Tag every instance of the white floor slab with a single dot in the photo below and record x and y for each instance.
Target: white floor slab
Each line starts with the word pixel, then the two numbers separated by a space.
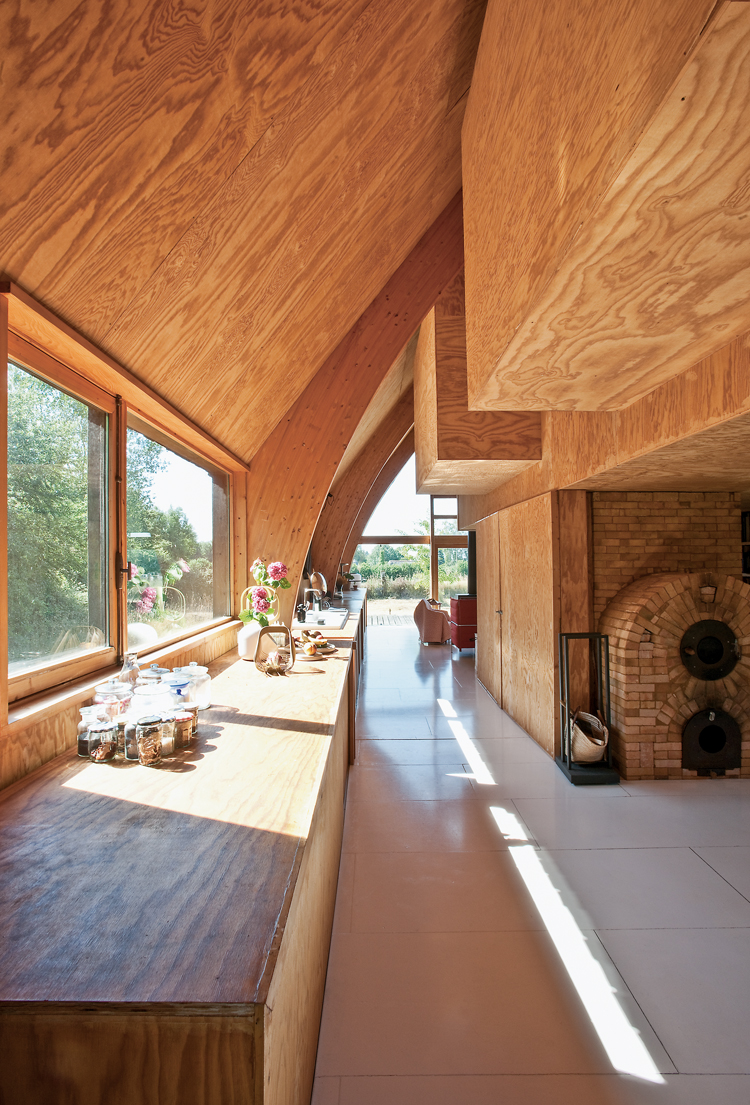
pixel 444 985
pixel 733 864
pixel 635 888
pixel 693 985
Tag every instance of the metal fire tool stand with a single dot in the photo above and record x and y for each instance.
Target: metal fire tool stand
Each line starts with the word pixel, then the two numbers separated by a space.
pixel 601 773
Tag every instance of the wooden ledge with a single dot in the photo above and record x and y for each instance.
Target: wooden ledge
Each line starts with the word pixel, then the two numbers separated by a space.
pixel 28 711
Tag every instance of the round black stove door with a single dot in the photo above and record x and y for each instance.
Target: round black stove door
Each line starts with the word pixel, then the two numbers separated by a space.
pixel 709 650
pixel 711 740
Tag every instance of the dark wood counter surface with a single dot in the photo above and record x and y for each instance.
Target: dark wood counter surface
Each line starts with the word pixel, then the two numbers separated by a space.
pixel 124 884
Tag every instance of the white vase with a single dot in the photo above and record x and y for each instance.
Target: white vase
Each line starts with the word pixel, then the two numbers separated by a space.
pixel 247 638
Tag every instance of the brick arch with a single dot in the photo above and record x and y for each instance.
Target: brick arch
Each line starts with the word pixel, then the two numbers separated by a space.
pixel 653 694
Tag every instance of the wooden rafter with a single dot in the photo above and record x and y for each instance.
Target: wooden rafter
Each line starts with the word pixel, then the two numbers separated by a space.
pixel 292 473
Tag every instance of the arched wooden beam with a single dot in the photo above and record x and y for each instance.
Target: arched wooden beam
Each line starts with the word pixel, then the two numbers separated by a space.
pixel 347 495
pixel 383 481
pixel 292 471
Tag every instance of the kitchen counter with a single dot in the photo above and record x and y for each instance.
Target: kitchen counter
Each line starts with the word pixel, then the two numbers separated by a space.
pixel 178 919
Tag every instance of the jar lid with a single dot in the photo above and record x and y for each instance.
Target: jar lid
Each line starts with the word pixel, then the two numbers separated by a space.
pixel 150 719
pixel 193 667
pixel 113 686
pixel 102 727
pixel 159 671
pixel 176 680
pixel 148 690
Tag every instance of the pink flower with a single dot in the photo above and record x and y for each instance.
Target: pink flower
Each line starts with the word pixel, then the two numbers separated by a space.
pixel 261 605
pixel 260 593
pixel 256 564
pixel 148 594
pixel 139 606
pixel 134 569
pixel 277 570
pixel 183 564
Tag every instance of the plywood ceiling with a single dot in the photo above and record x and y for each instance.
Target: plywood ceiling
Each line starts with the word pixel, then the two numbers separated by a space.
pixel 561 96
pixel 459 450
pixel 397 381
pixel 659 276
pixel 716 460
pixel 215 194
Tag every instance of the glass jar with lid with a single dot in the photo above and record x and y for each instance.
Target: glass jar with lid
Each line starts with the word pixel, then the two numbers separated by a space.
pixel 89 715
pixel 201 681
pixel 148 732
pixel 167 734
pixel 180 686
pixel 183 729
pixel 131 669
pixel 192 709
pixel 151 698
pixel 131 740
pixel 114 695
pixel 152 674
pixel 102 740
pixel 106 749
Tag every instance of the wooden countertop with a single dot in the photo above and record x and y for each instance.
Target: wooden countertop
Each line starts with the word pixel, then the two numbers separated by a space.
pixel 126 884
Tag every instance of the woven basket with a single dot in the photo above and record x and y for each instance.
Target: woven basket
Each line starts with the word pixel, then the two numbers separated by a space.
pixel 589 738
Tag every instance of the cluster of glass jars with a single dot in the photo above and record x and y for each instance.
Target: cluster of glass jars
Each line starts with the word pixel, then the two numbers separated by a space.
pixel 143 715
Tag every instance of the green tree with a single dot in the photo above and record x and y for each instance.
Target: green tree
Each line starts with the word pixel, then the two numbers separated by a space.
pixel 48 434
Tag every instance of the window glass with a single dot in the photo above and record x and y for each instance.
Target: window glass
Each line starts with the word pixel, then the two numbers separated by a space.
pixel 444 526
pixel 178 542
pixel 401 510
pixel 445 506
pixel 57 524
pixel 453 573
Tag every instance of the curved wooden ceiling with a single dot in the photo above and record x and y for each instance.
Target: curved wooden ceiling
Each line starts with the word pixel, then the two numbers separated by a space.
pixel 215 195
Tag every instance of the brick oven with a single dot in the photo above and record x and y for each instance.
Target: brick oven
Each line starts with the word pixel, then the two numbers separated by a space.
pixel 680 675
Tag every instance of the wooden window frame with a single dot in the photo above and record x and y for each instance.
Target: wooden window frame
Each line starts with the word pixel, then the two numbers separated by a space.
pixel 442 541
pixel 50 673
pixel 36 339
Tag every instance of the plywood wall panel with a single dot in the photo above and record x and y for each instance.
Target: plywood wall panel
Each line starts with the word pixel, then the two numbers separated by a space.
pixel 658 276
pixel 530 604
pixel 574 542
pixel 489 657
pixel 560 96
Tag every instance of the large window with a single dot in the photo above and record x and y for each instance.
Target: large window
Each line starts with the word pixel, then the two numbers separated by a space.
pixel 177 520
pixel 58 579
pixel 118 526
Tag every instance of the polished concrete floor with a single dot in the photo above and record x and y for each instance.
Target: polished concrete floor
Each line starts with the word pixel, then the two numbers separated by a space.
pixel 503 937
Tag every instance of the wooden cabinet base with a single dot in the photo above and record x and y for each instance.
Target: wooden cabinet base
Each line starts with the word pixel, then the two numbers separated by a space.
pixel 166 932
pixel 100 1053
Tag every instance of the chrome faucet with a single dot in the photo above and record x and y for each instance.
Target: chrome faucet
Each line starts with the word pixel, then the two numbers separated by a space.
pixel 317 598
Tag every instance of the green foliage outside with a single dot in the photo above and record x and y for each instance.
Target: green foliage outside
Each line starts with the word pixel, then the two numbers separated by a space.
pixel 172 583
pixel 55 602
pixel 404 573
pixel 47 515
